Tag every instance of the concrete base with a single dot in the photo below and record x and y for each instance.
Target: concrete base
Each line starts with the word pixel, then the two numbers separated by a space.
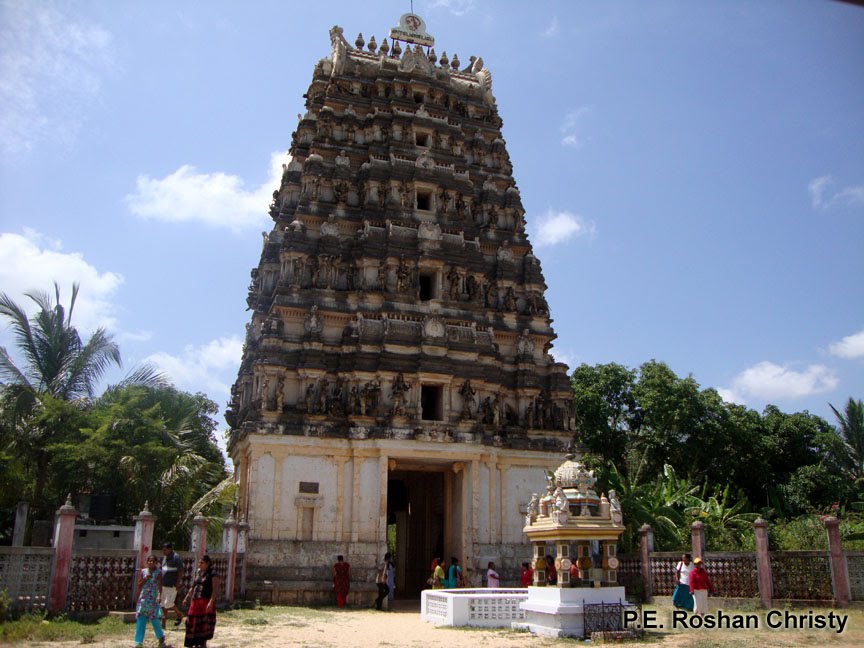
pixel 559 612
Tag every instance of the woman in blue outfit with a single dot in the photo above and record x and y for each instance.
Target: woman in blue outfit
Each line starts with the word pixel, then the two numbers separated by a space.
pixel 149 594
pixel 454 575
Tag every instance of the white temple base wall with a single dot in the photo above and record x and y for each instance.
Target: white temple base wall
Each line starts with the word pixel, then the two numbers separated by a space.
pixel 559 612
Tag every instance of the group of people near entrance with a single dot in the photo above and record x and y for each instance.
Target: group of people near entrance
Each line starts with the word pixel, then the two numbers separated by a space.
pixel 692 585
pixel 383 580
pixel 451 577
pixel 158 586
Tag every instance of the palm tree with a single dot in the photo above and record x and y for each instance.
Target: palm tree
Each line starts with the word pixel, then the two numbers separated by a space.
pixel 59 375
pixel 725 522
pixel 851 430
pixel 658 503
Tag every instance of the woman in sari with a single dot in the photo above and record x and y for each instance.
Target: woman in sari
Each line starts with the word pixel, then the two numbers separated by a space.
pixel 201 599
pixel 454 575
pixel 341 580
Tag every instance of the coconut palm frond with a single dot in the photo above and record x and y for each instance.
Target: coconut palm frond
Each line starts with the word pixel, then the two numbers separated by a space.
pixel 21 327
pixel 184 466
pixel 222 494
pixel 145 375
pixel 87 367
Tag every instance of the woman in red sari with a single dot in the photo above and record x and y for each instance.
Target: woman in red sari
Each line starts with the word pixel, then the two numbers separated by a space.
pixel 341 580
pixel 201 599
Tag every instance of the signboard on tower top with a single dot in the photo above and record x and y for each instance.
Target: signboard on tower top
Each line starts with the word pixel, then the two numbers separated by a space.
pixel 412 29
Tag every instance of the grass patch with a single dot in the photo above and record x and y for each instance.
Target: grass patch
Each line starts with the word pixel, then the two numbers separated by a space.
pixel 297 617
pixel 36 627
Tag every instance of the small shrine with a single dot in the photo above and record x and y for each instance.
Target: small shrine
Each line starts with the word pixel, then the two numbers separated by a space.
pixel 584 528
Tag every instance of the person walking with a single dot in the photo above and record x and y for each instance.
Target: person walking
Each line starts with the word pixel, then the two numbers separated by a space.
pixel 681 597
pixel 493 580
pixel 526 578
pixel 454 575
pixel 201 599
pixel 148 593
pixel 381 581
pixel 172 583
pixel 341 581
pixel 438 575
pixel 391 582
pixel 700 587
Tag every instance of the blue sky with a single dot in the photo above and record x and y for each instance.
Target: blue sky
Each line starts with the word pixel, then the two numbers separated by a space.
pixel 693 173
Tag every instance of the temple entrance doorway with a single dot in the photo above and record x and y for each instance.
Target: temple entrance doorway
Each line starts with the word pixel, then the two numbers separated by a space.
pixel 418 526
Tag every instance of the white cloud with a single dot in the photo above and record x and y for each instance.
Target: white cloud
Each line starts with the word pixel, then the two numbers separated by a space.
pixel 32 263
pixel 571 126
pixel 851 346
pixel 51 70
pixel 730 396
pixel 567 356
pixel 556 227
pixel 571 141
pixel 209 368
pixel 215 199
pixel 769 381
pixel 456 7
pixel 824 194
pixel 134 336
pixel 552 29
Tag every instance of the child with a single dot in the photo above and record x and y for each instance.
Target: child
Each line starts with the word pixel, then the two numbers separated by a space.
pixel 149 594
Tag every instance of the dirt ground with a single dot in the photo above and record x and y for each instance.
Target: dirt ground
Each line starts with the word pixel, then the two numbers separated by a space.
pixel 362 628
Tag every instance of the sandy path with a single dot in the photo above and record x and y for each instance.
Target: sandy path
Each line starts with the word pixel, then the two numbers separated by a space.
pixel 355 628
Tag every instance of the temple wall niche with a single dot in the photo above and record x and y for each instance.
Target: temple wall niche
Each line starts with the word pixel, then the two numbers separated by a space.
pixel 306 471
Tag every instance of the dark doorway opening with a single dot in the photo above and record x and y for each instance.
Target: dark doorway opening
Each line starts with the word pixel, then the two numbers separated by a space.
pixel 415 522
pixel 427 282
pixel 432 402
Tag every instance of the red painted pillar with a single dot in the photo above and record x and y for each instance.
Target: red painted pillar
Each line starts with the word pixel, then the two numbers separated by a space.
pixel 142 542
pixel 697 540
pixel 64 536
pixel 838 566
pixel 198 542
pixel 645 542
pixel 230 531
pixel 763 564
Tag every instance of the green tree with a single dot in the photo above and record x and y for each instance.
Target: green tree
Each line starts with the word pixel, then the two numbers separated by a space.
pixel 58 367
pixel 658 502
pixel 850 426
pixel 725 521
pixel 606 409
pixel 160 442
pixel 47 400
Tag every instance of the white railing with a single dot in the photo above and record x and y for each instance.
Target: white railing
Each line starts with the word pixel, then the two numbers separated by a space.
pixel 487 608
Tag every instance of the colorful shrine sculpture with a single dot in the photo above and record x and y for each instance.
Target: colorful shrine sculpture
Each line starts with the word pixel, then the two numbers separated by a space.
pixel 584 529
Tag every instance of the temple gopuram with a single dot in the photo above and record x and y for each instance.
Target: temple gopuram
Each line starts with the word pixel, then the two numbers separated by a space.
pixel 396 375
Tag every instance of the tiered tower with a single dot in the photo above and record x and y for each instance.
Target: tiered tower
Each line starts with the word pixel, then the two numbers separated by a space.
pixel 395 371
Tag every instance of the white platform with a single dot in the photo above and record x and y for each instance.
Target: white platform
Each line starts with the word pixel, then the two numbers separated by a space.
pixel 559 612
pixel 484 608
